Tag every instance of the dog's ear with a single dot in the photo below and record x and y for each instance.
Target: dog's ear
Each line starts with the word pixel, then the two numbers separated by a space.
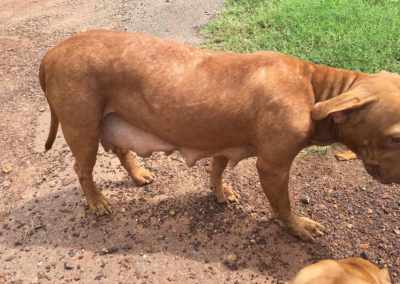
pixel 341 105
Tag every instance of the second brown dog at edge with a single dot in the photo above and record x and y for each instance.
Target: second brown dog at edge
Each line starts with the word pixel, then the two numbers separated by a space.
pixel 134 92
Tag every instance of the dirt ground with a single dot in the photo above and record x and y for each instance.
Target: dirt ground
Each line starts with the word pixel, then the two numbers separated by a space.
pixel 171 230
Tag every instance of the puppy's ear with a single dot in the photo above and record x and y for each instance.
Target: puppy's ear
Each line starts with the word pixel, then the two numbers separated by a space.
pixel 340 105
pixel 384 277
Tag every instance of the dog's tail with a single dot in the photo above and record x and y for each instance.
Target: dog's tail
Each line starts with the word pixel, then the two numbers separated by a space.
pixel 54 119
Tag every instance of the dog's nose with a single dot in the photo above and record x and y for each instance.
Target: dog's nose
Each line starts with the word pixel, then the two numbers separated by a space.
pixel 372 169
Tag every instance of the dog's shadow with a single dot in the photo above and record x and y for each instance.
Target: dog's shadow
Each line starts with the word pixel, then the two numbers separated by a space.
pixel 189 225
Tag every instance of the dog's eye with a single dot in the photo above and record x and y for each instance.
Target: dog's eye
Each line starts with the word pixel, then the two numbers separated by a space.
pixel 395 139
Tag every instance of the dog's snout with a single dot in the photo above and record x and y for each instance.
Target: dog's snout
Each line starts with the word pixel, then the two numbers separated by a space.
pixel 376 172
pixel 372 169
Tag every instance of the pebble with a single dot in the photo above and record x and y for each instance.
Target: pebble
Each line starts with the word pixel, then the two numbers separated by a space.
pixel 350 226
pixel 109 250
pixel 231 258
pixel 7 169
pixel 363 246
pixel 9 258
pixel 68 266
pixel 305 200
pixel 6 183
pixel 397 232
pixel 231 261
pixel 123 210
pixel 172 213
pixel 369 211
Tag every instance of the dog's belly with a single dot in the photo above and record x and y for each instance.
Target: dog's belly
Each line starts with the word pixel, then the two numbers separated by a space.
pixel 117 132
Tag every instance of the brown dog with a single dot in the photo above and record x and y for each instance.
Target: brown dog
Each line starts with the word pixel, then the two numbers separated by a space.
pixel 145 94
pixel 348 271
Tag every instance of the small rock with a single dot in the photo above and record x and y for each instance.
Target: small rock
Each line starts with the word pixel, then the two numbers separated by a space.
pixel 253 241
pixel 369 211
pixel 123 210
pixel 42 109
pixel 52 183
pixel 305 200
pixel 350 226
pixel 7 169
pixel 108 250
pixel 231 257
pixel 68 181
pixel 364 255
pixel 172 213
pixel 38 225
pixel 112 249
pixel 9 258
pixel 231 261
pixel 397 232
pixel 68 266
pixel 6 183
pixel 71 254
pixel 363 246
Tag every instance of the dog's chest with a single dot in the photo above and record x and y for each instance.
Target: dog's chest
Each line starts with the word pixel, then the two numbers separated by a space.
pixel 116 132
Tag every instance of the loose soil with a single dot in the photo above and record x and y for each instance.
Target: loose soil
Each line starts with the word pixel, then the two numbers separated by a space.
pixel 171 230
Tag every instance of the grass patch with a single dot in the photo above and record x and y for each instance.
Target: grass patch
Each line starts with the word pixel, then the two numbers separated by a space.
pixel 316 149
pixel 351 34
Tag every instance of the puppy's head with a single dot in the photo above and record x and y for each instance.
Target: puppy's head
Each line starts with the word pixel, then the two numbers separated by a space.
pixel 368 119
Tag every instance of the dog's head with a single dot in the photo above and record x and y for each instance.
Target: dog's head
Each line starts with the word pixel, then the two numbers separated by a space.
pixel 368 119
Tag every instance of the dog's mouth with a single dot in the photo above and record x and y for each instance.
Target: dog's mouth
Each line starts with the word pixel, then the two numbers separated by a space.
pixel 375 172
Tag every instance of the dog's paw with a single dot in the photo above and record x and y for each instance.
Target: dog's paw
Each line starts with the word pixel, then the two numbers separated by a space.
pixel 142 177
pixel 304 228
pixel 99 205
pixel 225 194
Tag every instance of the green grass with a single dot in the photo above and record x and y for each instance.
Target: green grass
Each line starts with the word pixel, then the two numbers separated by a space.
pixel 351 34
pixel 316 149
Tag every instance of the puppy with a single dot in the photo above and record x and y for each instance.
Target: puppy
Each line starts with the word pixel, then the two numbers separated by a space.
pixel 348 271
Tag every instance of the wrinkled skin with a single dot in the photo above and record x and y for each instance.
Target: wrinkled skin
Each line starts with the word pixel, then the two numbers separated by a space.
pixel 378 107
pixel 133 92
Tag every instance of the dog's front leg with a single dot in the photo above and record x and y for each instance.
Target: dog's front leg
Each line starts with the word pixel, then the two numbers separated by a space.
pixel 274 178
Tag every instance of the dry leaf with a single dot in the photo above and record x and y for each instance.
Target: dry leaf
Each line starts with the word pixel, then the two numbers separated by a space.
pixel 345 156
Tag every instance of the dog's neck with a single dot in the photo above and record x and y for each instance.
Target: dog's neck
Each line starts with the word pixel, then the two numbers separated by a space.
pixel 329 82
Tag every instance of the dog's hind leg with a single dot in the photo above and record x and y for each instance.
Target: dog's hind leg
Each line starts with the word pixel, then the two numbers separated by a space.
pixel 84 142
pixel 139 175
pixel 223 192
